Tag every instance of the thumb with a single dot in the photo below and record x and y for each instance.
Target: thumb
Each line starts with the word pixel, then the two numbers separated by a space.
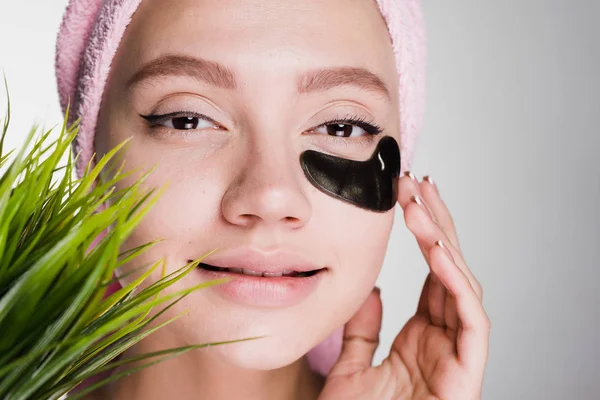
pixel 361 337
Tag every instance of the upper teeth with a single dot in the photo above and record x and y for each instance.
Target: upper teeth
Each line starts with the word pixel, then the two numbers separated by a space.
pixel 247 271
pixel 251 272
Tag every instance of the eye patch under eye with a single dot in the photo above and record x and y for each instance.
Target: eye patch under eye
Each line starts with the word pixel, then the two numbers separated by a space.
pixel 371 184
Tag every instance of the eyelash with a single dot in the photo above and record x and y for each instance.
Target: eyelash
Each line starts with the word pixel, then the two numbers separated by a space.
pixel 155 119
pixel 370 128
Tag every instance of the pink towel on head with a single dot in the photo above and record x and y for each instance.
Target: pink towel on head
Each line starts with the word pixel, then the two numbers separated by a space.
pixel 91 31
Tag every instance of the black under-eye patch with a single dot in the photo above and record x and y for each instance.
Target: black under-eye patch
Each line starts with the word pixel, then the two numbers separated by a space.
pixel 371 184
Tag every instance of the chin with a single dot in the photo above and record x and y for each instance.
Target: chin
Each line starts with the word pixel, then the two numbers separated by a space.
pixel 266 353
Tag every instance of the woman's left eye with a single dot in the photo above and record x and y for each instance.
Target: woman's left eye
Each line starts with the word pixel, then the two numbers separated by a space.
pixel 352 127
pixel 341 130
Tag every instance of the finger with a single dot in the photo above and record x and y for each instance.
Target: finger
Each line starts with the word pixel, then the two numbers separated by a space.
pixel 408 190
pixel 430 193
pixel 427 233
pixel 437 300
pixel 416 199
pixel 474 326
pixel 436 292
pixel 423 306
pixel 361 337
pixel 407 186
pixel 443 308
pixel 451 317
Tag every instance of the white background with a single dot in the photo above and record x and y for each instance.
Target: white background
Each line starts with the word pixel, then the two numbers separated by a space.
pixel 510 137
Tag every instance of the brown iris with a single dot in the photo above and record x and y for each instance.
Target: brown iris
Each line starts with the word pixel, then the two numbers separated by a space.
pixel 185 122
pixel 344 130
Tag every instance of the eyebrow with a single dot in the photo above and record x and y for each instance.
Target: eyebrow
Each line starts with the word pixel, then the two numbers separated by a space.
pixel 218 75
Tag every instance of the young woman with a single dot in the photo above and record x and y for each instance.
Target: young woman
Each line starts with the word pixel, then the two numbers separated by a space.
pixel 284 130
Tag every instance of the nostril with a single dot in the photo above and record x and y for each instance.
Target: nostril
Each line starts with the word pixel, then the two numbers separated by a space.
pixel 245 219
pixel 292 222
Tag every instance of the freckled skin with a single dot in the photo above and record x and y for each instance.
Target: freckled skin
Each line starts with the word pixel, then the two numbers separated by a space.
pixel 241 184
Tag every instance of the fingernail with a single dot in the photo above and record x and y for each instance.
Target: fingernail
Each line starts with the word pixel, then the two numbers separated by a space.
pixel 410 175
pixel 429 179
pixel 416 199
pixel 446 249
pixel 420 202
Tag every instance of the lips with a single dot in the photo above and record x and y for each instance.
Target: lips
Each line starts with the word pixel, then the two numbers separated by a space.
pixel 247 261
pixel 266 274
pixel 273 279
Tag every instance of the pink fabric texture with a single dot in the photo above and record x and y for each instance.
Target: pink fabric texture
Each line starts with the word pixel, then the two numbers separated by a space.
pixel 90 34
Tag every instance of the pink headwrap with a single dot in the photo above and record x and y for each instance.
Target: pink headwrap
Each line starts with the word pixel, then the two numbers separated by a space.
pixel 91 31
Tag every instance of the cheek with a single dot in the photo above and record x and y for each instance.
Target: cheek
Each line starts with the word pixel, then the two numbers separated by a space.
pixel 354 242
pixel 365 244
pixel 354 239
pixel 187 208
pixel 192 183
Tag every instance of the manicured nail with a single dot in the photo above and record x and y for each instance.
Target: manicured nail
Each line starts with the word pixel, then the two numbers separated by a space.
pixel 416 199
pixel 410 175
pixel 420 202
pixel 446 249
pixel 429 179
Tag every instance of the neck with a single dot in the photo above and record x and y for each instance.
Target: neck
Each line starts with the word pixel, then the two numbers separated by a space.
pixel 198 374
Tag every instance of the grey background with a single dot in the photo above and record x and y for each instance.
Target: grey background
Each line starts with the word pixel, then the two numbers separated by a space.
pixel 510 137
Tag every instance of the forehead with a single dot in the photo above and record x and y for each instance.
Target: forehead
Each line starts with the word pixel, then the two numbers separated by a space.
pixel 262 36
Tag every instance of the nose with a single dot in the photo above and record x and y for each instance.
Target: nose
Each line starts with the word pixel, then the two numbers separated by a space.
pixel 266 190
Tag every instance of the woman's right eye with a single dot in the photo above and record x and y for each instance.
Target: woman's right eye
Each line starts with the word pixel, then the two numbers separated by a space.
pixel 182 121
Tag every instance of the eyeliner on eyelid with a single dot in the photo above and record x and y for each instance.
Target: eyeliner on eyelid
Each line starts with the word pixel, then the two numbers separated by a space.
pixel 361 122
pixel 354 120
pixel 156 118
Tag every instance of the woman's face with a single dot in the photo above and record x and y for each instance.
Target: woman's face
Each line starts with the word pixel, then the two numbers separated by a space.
pixel 253 85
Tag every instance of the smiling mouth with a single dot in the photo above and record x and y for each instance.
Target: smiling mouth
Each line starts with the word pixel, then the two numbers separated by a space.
pixel 244 271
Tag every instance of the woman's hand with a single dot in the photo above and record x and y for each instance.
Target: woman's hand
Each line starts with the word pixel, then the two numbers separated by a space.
pixel 442 350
